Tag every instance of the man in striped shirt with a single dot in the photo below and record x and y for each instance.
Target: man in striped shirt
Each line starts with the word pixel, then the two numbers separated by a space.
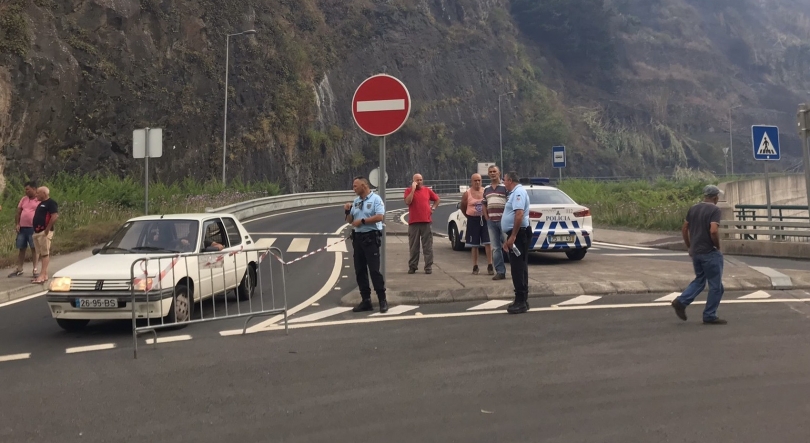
pixel 494 202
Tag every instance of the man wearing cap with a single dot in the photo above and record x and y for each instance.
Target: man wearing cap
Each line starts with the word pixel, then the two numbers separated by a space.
pixel 701 235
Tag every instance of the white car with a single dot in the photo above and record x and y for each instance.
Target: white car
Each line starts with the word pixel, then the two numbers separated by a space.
pixel 101 287
pixel 559 224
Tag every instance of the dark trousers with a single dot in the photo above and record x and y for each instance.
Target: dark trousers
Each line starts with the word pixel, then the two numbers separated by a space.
pixel 520 265
pixel 367 261
pixel 420 232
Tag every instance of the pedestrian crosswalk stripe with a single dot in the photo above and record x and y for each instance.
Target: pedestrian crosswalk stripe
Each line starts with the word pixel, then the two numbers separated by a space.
pixel 669 297
pixel 616 246
pixel 340 247
pixel 265 243
pixel 581 300
pixel 319 315
pixel 492 304
pixel 755 295
pixel 298 245
pixel 396 310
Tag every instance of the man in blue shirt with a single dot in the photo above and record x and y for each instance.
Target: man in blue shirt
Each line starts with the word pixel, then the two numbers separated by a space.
pixel 515 224
pixel 366 215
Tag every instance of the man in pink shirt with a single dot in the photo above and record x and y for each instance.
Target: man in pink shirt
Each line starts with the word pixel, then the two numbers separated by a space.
pixel 25 228
pixel 418 199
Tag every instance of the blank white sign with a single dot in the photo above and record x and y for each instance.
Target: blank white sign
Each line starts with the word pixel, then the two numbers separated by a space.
pixel 155 143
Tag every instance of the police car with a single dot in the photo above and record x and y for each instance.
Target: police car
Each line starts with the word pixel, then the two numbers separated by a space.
pixel 559 223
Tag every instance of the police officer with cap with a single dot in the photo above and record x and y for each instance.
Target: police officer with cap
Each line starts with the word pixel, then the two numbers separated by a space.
pixel 366 215
pixel 515 224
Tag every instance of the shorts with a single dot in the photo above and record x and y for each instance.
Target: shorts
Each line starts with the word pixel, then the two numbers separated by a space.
pixel 42 243
pixel 477 234
pixel 25 238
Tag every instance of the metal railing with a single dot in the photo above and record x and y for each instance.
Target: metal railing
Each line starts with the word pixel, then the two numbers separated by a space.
pixel 166 289
pixel 791 218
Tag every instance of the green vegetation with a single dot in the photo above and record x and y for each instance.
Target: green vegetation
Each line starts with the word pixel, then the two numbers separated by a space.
pixel 92 208
pixel 659 205
pixel 13 28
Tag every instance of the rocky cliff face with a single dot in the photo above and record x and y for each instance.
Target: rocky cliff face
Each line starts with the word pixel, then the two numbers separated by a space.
pixel 77 76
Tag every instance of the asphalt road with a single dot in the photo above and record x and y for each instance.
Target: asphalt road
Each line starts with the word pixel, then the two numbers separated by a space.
pixel 620 375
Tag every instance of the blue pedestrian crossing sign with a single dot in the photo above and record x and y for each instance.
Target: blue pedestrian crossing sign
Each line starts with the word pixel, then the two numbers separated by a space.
pixel 558 156
pixel 766 142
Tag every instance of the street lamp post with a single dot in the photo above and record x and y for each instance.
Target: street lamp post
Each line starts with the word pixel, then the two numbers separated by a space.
pixel 730 138
pixel 225 124
pixel 500 132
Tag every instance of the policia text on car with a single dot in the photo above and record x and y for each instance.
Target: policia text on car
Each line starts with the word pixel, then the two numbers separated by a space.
pixel 366 215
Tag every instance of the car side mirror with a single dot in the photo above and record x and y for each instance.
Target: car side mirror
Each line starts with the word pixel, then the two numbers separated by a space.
pixel 96 251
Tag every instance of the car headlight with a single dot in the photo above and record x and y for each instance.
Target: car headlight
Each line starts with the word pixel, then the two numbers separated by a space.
pixel 60 284
pixel 142 284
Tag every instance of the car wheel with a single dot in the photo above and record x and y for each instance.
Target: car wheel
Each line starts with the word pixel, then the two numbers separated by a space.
pixel 72 325
pixel 455 239
pixel 248 284
pixel 576 254
pixel 182 307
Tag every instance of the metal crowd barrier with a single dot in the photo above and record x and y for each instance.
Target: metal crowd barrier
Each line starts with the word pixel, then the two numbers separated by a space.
pixel 166 288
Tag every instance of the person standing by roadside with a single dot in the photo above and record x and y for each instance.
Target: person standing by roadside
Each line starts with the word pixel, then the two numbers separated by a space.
pixel 515 224
pixel 418 199
pixel 45 217
pixel 701 234
pixel 476 234
pixel 494 202
pixel 24 225
pixel 366 215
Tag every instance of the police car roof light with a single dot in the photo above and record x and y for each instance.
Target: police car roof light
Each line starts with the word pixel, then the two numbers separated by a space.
pixel 539 181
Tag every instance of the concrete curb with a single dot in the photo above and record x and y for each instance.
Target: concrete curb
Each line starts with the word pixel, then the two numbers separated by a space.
pixel 21 292
pixel 562 289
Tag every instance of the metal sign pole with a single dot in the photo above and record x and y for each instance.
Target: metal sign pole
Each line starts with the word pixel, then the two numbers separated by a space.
pixel 803 132
pixel 146 175
pixel 381 190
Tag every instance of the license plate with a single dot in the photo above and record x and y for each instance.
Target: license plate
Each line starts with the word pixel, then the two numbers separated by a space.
pixel 96 303
pixel 563 238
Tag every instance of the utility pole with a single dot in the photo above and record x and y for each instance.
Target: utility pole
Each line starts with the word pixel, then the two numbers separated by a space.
pixel 803 118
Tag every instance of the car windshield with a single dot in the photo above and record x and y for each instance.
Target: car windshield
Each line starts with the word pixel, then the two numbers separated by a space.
pixel 548 197
pixel 154 236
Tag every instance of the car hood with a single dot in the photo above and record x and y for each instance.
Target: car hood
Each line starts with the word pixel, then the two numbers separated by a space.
pixel 110 266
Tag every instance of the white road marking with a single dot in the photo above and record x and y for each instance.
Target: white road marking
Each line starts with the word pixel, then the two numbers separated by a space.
pixel 90 348
pixel 171 339
pixel 581 300
pixel 290 233
pixel 264 243
pixel 340 247
pixel 14 357
pixel 613 245
pixel 316 304
pixel 337 288
pixel 778 279
pixel 290 212
pixel 319 315
pixel 669 297
pixel 20 300
pixel 650 254
pixel 492 304
pixel 759 295
pixel 396 310
pixel 372 319
pixel 402 217
pixel 381 105
pixel 298 244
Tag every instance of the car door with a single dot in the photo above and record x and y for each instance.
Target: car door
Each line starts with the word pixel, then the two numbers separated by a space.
pixel 214 268
pixel 239 260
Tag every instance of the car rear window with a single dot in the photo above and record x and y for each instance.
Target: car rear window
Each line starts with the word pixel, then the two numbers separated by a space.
pixel 548 197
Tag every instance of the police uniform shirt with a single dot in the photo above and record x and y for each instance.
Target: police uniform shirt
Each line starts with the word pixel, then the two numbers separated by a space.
pixel 366 208
pixel 518 199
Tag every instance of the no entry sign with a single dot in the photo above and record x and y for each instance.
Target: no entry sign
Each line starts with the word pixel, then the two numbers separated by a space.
pixel 381 105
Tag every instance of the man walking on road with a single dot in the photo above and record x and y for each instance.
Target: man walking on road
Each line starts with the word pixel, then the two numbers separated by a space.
pixel 494 202
pixel 515 223
pixel 366 215
pixel 701 235
pixel 24 224
pixel 418 199
pixel 45 216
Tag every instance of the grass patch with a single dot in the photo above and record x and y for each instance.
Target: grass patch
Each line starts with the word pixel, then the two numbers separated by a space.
pixel 91 208
pixel 639 204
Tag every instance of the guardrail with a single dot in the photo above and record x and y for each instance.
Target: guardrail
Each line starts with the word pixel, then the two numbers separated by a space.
pixel 781 215
pixel 275 203
pixel 751 230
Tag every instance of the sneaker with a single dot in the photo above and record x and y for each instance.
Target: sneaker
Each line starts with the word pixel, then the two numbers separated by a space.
pixel 716 321
pixel 383 306
pixel 411 271
pixel 17 274
pixel 428 271
pixel 499 277
pixel 475 270
pixel 680 309
pixel 490 269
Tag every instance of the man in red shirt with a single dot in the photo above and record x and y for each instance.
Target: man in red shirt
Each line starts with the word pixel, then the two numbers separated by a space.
pixel 418 199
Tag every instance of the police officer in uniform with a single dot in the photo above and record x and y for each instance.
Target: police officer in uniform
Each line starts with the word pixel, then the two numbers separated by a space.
pixel 366 215
pixel 515 224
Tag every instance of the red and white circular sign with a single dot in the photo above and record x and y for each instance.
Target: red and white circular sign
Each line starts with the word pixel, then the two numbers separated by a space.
pixel 381 105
